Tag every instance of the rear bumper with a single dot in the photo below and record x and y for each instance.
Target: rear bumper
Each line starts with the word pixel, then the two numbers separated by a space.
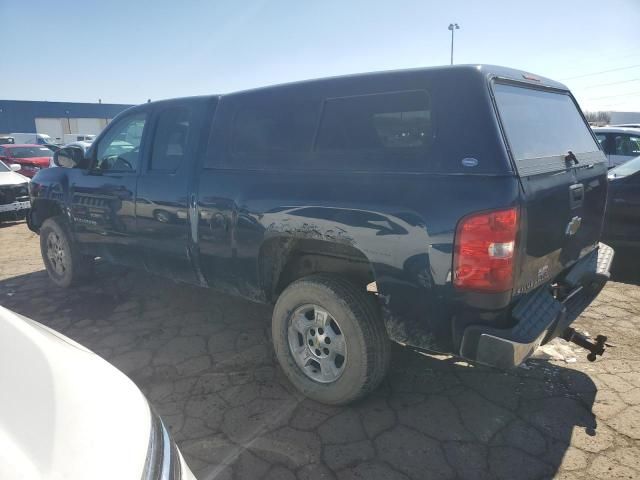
pixel 539 317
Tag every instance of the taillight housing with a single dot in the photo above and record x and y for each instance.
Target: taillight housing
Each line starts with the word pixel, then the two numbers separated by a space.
pixel 484 251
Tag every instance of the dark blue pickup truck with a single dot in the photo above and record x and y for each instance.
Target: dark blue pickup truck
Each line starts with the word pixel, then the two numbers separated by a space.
pixel 455 209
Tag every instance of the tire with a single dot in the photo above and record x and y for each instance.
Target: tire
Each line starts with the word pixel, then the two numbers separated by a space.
pixel 345 311
pixel 61 256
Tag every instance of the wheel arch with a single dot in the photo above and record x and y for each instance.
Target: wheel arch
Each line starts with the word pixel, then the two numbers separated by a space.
pixel 282 260
pixel 43 209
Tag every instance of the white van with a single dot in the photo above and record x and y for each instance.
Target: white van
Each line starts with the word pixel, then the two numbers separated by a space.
pixel 32 138
pixel 78 137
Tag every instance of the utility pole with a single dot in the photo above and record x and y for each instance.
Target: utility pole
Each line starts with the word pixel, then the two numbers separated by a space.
pixel 453 27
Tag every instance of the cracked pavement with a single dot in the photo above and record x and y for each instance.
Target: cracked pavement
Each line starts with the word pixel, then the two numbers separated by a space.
pixel 205 362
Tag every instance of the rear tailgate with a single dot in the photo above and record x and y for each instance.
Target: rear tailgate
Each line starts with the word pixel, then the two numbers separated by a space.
pixel 563 175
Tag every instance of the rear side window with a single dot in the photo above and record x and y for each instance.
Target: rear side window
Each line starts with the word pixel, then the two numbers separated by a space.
pixel 275 128
pixel 627 145
pixel 399 120
pixel 170 139
pixel 540 123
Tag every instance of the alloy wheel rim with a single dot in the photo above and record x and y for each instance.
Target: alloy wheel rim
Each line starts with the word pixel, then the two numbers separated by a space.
pixel 56 253
pixel 317 343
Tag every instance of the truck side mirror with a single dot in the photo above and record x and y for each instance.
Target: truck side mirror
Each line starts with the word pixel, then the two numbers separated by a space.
pixel 15 167
pixel 69 157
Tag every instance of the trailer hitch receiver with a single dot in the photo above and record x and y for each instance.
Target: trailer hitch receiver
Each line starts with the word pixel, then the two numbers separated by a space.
pixel 594 348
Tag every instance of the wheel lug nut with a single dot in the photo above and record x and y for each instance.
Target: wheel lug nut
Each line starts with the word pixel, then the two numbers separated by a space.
pixel 317 352
pixel 312 331
pixel 326 351
pixel 327 340
pixel 320 331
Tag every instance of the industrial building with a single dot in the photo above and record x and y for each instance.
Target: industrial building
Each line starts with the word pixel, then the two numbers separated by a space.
pixel 56 118
pixel 624 117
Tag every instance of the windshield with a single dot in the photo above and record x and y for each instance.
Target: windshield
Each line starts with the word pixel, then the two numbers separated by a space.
pixel 31 152
pixel 627 168
pixel 4 168
pixel 541 123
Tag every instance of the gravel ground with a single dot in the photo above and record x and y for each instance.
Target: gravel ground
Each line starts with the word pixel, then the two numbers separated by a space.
pixel 205 362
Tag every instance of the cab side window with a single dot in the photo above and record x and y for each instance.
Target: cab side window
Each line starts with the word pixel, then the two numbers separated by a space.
pixel 170 140
pixel 627 145
pixel 119 150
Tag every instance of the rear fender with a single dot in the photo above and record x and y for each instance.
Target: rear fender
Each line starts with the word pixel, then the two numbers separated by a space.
pixel 399 256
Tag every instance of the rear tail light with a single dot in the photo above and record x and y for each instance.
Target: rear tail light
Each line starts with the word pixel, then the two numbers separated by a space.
pixel 484 250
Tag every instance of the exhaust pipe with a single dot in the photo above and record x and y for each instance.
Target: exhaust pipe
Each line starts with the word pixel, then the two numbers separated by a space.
pixel 597 348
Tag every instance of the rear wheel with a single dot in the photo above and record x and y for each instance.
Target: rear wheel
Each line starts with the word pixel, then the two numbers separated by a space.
pixel 61 256
pixel 329 339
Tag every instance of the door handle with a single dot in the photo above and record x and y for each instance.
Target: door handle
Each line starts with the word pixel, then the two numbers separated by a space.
pixel 576 195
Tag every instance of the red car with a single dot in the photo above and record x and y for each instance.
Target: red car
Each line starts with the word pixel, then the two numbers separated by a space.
pixel 31 158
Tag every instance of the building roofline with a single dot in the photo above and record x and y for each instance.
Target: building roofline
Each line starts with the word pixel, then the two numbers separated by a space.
pixel 68 103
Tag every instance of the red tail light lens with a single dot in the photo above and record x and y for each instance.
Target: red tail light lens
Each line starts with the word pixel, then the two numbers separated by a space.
pixel 484 251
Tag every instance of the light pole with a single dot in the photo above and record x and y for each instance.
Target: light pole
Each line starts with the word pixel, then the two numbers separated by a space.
pixel 452 27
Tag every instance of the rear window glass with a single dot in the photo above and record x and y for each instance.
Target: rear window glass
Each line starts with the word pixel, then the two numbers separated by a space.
pixel 400 120
pixel 541 123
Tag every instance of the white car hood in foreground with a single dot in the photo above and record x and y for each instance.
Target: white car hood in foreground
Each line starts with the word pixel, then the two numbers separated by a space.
pixel 12 178
pixel 65 413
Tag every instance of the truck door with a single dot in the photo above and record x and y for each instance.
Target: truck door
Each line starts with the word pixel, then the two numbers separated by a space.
pixel 164 186
pixel 102 197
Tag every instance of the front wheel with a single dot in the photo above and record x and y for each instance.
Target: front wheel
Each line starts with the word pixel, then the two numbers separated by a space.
pixel 329 339
pixel 61 256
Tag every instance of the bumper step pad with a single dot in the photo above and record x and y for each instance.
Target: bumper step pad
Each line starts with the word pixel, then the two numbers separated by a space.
pixel 535 315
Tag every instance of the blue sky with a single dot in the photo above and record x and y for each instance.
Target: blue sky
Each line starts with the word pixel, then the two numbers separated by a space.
pixel 129 51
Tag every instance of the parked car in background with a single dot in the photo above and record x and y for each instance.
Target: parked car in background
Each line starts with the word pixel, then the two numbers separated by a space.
pixel 627 125
pixel 65 413
pixel 620 144
pixel 31 158
pixel 7 140
pixel 335 200
pixel 33 138
pixel 77 137
pixel 622 223
pixel 14 193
